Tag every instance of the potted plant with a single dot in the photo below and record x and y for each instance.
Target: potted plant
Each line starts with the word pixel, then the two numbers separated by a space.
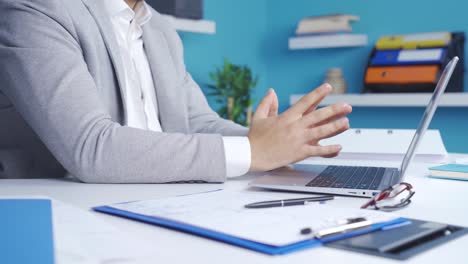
pixel 232 89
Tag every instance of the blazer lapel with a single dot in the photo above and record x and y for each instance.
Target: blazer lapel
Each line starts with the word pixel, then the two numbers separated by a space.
pixel 99 13
pixel 171 114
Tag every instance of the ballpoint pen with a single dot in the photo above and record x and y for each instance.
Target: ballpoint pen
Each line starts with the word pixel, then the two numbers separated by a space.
pixel 289 202
pixel 351 224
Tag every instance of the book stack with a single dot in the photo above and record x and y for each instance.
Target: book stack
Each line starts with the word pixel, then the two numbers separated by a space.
pixel 412 62
pixel 327 32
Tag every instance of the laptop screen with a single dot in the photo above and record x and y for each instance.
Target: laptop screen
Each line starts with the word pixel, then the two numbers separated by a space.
pixel 428 114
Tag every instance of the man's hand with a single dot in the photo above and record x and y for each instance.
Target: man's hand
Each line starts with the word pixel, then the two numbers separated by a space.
pixel 279 140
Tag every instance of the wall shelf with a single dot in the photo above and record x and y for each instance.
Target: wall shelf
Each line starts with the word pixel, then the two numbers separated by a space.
pixel 192 25
pixel 392 100
pixel 328 41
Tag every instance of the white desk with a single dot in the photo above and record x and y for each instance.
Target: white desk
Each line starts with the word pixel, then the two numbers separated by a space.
pixel 436 200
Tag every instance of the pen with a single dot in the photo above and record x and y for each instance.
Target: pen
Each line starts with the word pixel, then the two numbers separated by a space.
pixel 289 202
pixel 352 224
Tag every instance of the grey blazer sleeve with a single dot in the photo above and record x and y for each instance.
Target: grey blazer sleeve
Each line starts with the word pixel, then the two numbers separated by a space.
pixel 202 119
pixel 45 76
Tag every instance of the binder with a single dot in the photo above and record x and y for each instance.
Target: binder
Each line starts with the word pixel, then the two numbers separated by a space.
pixel 425 74
pixel 26 231
pixel 409 57
pixel 455 47
pixel 414 41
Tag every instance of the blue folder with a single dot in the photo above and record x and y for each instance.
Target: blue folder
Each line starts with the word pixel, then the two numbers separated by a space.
pixel 26 231
pixel 245 243
pixel 393 57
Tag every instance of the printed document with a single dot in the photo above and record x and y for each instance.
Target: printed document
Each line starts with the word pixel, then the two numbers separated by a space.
pixel 224 212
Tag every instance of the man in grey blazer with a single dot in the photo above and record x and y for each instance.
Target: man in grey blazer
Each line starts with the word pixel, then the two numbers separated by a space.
pixel 80 95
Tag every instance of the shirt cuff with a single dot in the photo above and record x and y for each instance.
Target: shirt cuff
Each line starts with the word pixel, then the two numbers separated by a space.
pixel 237 153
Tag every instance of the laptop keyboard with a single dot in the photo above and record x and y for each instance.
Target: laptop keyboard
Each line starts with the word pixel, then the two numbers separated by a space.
pixel 349 177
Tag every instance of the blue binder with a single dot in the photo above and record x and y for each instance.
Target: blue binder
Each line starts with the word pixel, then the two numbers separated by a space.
pixel 248 244
pixel 409 57
pixel 26 231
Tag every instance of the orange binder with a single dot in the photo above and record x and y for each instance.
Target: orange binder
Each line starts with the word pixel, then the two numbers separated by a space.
pixel 402 74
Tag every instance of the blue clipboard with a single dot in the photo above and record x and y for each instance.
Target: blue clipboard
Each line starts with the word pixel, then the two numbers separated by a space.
pixel 233 240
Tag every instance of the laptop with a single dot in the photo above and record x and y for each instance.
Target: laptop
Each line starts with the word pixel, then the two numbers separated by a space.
pixel 360 181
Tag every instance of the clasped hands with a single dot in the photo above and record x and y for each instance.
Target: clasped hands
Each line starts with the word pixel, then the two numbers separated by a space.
pixel 279 140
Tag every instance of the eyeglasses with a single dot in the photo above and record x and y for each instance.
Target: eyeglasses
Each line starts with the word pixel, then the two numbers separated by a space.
pixel 392 198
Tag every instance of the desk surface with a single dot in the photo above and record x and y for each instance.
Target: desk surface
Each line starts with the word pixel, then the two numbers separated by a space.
pixel 436 200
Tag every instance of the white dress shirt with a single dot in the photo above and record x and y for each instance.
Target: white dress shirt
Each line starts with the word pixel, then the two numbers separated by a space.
pixel 141 103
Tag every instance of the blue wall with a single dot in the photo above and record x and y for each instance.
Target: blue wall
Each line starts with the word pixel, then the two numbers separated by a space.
pixel 256 33
pixel 240 30
pixel 300 71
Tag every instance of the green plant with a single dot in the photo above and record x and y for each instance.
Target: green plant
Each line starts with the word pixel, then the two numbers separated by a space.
pixel 232 89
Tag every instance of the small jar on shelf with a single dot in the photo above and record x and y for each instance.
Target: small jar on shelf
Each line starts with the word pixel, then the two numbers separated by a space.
pixel 335 78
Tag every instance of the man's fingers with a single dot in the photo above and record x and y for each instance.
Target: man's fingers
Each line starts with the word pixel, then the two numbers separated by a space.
pixel 274 105
pixel 311 100
pixel 263 108
pixel 323 151
pixel 328 130
pixel 326 114
pixel 329 156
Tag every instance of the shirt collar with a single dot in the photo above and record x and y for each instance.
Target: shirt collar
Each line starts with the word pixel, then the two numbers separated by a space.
pixel 142 12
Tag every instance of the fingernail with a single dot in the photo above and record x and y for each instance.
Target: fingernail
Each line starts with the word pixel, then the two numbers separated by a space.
pixel 328 86
pixel 270 91
pixel 345 121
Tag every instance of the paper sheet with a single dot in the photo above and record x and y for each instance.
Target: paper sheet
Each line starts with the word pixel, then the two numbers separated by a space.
pixel 81 237
pixel 224 212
